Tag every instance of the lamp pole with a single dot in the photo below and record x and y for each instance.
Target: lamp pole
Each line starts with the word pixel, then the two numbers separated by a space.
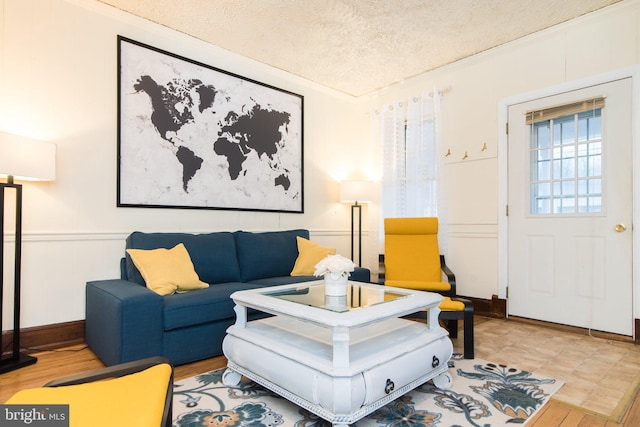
pixel 20 158
pixel 17 359
pixel 353 209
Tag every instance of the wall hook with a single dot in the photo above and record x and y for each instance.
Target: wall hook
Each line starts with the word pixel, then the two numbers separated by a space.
pixel 448 152
pixel 466 156
pixel 484 147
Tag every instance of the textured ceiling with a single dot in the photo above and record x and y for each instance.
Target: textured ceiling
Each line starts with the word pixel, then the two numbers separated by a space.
pixel 358 46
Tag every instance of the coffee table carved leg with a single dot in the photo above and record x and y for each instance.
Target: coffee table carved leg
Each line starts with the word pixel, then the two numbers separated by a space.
pixel 443 381
pixel 231 378
pixel 241 316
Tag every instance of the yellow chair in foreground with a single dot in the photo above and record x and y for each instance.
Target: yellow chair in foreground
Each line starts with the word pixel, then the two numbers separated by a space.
pixel 412 260
pixel 138 393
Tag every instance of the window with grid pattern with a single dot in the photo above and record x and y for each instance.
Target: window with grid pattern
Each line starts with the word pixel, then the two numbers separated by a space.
pixel 566 164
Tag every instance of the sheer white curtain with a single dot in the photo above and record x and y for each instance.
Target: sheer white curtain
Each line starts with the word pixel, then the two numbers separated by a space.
pixel 406 135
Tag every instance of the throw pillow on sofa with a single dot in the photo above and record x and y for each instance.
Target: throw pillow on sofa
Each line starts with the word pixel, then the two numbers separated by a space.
pixel 166 271
pixel 309 254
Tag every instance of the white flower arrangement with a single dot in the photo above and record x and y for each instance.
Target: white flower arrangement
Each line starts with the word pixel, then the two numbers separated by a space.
pixel 336 265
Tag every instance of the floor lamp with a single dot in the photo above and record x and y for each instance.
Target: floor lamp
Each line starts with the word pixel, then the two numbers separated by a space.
pixel 20 159
pixel 356 192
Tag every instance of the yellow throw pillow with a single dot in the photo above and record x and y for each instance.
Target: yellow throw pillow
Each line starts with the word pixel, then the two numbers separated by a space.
pixel 309 254
pixel 166 271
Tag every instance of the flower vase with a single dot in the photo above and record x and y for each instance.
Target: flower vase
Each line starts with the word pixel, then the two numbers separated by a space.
pixel 335 284
pixel 336 303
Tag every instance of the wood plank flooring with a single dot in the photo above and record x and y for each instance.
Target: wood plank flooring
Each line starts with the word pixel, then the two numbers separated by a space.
pixel 75 359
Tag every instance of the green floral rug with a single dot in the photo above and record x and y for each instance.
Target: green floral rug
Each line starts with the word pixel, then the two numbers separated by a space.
pixel 483 394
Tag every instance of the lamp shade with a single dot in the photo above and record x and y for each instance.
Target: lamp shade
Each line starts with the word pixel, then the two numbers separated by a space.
pixel 356 191
pixel 26 158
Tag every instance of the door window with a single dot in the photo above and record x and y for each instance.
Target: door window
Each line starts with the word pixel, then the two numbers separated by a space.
pixel 566 164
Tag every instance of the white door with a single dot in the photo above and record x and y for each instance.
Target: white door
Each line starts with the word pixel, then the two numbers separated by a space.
pixel 570 211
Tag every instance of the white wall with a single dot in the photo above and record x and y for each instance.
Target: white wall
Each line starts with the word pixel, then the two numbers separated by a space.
pixel 58 83
pixel 593 44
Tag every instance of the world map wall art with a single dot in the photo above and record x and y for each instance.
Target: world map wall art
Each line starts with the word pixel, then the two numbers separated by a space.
pixel 194 136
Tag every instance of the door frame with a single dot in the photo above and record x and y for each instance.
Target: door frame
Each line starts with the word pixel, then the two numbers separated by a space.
pixel 632 72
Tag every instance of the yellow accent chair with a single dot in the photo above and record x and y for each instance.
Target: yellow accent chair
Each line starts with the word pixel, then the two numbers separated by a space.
pixel 138 393
pixel 412 260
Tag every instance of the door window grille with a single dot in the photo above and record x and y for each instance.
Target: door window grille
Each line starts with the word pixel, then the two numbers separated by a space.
pixel 566 162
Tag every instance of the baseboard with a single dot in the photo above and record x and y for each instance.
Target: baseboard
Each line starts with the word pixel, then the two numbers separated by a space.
pixel 495 307
pixel 573 329
pixel 58 335
pixel 50 337
pixel 47 337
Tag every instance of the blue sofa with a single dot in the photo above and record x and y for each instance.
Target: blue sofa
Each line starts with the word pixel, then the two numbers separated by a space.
pixel 126 321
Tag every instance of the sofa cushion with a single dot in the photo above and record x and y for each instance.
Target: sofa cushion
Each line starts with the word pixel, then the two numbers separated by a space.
pixel 309 254
pixel 269 254
pixel 283 280
pixel 166 271
pixel 201 306
pixel 213 254
pixel 360 274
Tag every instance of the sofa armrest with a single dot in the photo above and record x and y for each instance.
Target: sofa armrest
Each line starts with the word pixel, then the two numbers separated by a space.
pixel 124 321
pixel 361 274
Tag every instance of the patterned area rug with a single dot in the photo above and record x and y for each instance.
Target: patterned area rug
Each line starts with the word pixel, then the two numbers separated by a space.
pixel 483 394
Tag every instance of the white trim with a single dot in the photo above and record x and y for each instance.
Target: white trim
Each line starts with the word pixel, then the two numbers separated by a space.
pixel 73 236
pixel 632 72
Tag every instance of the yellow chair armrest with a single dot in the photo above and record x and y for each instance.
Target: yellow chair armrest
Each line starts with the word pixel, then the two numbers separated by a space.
pixel 138 398
pixel 448 304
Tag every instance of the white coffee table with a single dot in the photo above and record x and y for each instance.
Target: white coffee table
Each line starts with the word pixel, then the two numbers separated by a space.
pixel 338 357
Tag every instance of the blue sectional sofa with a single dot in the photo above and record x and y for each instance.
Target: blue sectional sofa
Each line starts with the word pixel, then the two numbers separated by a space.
pixel 126 321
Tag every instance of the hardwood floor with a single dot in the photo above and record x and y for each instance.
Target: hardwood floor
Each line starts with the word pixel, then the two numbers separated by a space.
pixel 75 359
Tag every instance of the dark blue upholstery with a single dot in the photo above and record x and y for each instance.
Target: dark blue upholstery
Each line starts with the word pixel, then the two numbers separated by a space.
pixel 122 321
pixel 283 280
pixel 213 255
pixel 126 321
pixel 200 341
pixel 359 275
pixel 270 254
pixel 204 306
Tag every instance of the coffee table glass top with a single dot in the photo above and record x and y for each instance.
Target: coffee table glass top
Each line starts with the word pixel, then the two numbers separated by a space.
pixel 357 296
